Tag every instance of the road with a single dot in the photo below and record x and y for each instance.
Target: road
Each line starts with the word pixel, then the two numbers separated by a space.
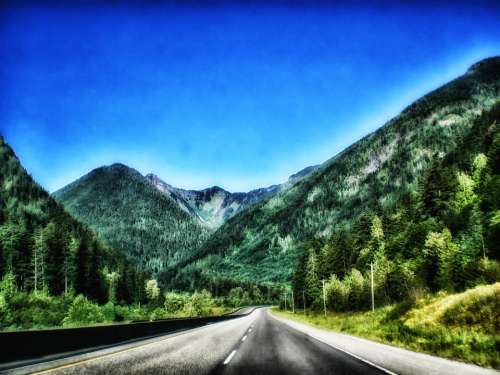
pixel 254 344
pixel 258 343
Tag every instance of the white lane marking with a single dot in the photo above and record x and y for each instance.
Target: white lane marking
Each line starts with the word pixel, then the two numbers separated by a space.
pixel 244 338
pixel 228 359
pixel 127 348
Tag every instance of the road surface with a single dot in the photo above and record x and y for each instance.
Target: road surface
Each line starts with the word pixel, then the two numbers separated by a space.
pixel 254 344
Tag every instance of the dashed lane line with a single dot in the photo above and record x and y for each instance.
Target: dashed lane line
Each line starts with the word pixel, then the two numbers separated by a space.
pixel 228 359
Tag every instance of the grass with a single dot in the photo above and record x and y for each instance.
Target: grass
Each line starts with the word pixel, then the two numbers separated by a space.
pixel 463 326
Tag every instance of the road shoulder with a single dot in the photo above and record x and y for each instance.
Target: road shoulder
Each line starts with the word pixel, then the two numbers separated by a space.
pixel 387 357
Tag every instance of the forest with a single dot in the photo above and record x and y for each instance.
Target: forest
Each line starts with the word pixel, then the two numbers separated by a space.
pixel 445 236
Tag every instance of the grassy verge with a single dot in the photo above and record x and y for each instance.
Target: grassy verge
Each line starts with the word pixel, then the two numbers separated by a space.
pixel 464 326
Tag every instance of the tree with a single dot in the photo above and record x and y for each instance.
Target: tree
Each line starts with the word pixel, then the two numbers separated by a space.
pixel 152 290
pixel 112 280
pixel 39 251
pixel 312 278
pixel 441 250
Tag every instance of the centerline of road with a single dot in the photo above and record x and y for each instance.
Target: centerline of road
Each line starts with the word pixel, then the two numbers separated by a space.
pixel 228 359
pixel 231 355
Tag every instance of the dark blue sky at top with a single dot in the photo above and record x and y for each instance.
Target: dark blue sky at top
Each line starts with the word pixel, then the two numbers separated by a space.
pixel 237 95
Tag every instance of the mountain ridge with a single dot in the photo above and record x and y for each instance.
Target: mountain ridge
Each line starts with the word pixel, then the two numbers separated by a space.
pixel 264 242
pixel 215 205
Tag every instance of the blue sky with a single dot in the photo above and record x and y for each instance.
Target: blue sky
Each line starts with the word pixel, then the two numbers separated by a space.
pixel 239 96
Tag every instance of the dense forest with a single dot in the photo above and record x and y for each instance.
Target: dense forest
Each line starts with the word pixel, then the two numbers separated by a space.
pixel 46 252
pixel 444 236
pixel 377 174
pixel 133 216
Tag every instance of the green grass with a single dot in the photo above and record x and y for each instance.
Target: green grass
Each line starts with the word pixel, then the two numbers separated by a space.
pixel 463 326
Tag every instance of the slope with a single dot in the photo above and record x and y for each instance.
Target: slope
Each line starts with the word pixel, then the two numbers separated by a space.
pixel 42 248
pixel 214 206
pixel 263 243
pixel 133 216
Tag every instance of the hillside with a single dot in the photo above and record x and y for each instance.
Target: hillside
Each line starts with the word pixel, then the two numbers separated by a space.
pixel 377 174
pixel 214 206
pixel 133 216
pixel 42 248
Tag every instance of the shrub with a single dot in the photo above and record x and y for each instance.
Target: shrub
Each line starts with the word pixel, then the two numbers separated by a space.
pixel 200 304
pixel 108 311
pixel 175 302
pixel 82 311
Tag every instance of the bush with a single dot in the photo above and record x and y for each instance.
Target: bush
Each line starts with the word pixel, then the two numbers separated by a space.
pixel 175 302
pixel 157 313
pixel 200 304
pixel 337 293
pixel 237 297
pixel 82 311
pixel 108 311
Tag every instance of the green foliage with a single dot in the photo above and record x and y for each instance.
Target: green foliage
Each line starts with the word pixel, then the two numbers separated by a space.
pixel 44 249
pixel 463 326
pixel 440 251
pixel 238 297
pixel 152 290
pixel 82 312
pixel 200 304
pixel 175 302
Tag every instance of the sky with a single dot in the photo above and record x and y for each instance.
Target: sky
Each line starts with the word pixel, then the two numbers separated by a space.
pixel 229 94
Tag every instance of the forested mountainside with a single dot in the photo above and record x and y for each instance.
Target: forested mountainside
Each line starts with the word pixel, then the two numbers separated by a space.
pixel 214 206
pixel 377 174
pixel 133 216
pixel 44 249
pixel 443 236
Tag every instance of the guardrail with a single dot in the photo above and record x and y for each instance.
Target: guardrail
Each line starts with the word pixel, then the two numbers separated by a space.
pixel 18 346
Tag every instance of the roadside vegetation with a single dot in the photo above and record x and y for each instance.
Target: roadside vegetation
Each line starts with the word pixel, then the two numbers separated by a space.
pixel 36 310
pixel 463 326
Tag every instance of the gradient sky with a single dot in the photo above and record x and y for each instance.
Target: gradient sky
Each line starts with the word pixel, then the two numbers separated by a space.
pixel 239 96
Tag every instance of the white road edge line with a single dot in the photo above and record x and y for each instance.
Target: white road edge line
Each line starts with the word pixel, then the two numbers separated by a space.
pixel 228 359
pixel 347 352
pixel 244 338
pixel 358 357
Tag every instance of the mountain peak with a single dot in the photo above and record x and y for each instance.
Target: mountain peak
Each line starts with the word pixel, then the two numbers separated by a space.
pixel 490 64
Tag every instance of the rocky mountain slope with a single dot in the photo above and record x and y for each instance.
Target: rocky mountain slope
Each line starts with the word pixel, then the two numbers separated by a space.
pixel 214 206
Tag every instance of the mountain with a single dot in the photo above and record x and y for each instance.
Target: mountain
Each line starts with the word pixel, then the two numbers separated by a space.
pixel 126 210
pixel 151 222
pixel 380 172
pixel 214 206
pixel 44 248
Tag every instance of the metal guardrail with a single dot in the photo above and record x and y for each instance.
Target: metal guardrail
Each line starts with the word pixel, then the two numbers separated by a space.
pixel 20 346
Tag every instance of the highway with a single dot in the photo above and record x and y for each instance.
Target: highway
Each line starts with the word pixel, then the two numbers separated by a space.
pixel 253 344
pixel 258 343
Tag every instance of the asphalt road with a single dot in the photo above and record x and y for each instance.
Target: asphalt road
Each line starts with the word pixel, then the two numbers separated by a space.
pixel 254 344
